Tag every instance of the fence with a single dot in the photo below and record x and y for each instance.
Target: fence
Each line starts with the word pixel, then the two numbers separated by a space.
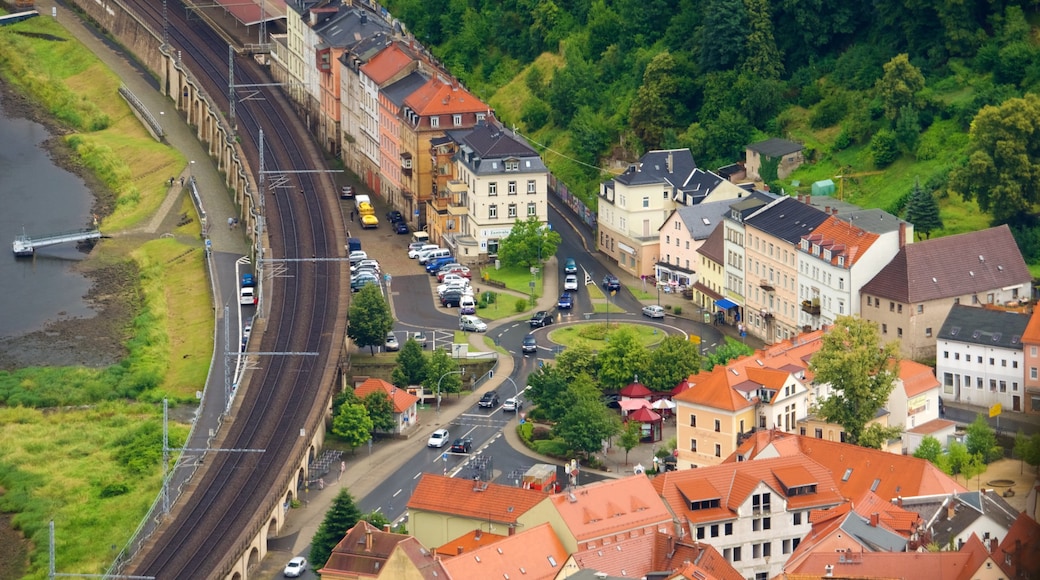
pixel 579 208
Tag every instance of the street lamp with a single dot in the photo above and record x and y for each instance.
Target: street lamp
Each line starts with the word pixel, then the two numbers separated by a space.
pixel 461 372
pixel 162 125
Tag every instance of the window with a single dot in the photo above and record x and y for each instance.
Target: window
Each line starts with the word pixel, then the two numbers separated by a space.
pixel 818 433
pixel 884 329
pixel 1003 386
pixel 532 187
pixel 756 550
pixel 511 187
pixel 899 309
pixel 512 165
pixel 693 420
pixel 1003 362
pixel 1033 373
pixel 511 211
pixel 481 117
pixel 729 528
pixel 786 546
pixel 700 532
pixel 992 361
pixel 718 426
pixel 899 332
pixel 714 530
pixel 767 549
pixel 891 306
pixel 920 308
pixel 456 120
pixel 956 356
pixel 668 239
pixel 435 122
pixel 693 445
pixel 493 212
pixel 718 450
pixel 760 503
pixel 928 332
pixel 796 518
pixel 532 210
pixel 736 554
pixel 646 202
pixel 493 188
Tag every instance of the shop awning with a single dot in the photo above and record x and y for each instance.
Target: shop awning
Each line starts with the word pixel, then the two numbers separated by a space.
pixel 725 304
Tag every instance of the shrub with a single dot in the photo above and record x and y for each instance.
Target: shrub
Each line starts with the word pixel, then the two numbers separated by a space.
pixel 829 111
pixel 677 310
pixel 535 114
pixel 884 148
pixel 114 489
pixel 842 141
pixel 524 431
pixel 521 305
pixel 553 448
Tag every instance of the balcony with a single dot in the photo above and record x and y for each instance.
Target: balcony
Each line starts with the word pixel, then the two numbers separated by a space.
pixel 811 307
pixel 767 315
pixel 766 285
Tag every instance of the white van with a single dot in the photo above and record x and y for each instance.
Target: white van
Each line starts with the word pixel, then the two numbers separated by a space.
pixel 468 305
pixel 420 237
pixel 422 249
pixel 434 254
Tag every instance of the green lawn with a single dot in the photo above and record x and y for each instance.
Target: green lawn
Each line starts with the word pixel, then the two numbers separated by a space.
pixel 517 279
pixel 590 334
pixel 637 291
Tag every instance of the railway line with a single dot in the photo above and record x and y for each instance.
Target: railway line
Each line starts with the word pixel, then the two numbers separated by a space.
pixel 212 524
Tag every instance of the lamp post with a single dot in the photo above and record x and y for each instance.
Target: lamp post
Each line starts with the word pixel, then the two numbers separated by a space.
pixel 461 372
pixel 162 125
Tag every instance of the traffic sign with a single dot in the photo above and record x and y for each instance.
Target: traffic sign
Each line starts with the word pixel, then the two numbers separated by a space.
pixel 995 410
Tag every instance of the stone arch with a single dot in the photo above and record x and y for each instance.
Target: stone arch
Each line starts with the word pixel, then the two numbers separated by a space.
pixel 254 558
pixel 301 476
pixel 236 576
pixel 272 528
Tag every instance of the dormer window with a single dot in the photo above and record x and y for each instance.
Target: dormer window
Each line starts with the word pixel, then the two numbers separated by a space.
pixel 827 255
pixel 512 165
pixel 815 250
pixel 805 245
pixel 456 120
pixel 435 122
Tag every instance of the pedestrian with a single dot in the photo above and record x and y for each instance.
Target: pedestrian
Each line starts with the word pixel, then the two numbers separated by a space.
pixel 321 483
pixel 236 223
pixel 342 469
pixel 352 216
pixel 182 181
pixel 230 223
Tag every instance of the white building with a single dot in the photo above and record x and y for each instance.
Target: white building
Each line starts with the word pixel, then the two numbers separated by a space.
pixel 979 356
pixel 733 300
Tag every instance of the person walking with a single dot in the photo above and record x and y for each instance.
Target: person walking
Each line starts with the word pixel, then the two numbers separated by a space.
pixel 230 223
pixel 351 216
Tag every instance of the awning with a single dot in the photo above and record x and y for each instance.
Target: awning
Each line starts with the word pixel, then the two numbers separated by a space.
pixel 725 304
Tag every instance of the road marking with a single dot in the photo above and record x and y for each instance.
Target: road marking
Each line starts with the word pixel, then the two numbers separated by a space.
pixel 397 494
pixel 377 509
pixel 417 475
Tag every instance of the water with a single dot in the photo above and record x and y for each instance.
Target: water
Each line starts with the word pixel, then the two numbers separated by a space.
pixel 42 198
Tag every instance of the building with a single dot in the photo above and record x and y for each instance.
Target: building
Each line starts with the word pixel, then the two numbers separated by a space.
pixel 762 157
pixel 634 205
pixel 534 554
pixel 951 519
pixel 910 298
pixel 683 232
pixel 914 405
pixel 410 560
pixel 362 553
pixel 1031 365
pixel 1018 555
pixel 979 357
pixel 711 274
pixel 406 405
pixel 732 303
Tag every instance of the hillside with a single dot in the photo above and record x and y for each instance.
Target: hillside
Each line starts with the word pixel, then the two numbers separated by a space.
pixel 596 83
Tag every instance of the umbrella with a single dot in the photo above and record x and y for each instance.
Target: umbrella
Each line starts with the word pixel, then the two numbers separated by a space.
pixel 663 404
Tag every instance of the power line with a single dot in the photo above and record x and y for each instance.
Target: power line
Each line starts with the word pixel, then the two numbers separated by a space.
pixel 564 155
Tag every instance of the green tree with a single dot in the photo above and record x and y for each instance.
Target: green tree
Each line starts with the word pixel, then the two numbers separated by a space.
pixel 762 58
pixel 576 360
pixel 981 440
pixel 1027 449
pixel 623 360
pixel 344 397
pixel 547 388
pixel 957 457
pixel 587 422
pixel 369 318
pixel 725 352
pixel 723 34
pixel 528 243
pixel 342 516
pixel 439 366
pixel 899 85
pixel 922 210
pixel 876 436
pixel 1002 171
pixel 976 465
pixel 377 519
pixel 630 436
pixel 380 411
pixel 861 373
pixel 411 365
pixel 884 147
pixel 675 359
pixel 929 449
pixel 656 102
pixel 353 425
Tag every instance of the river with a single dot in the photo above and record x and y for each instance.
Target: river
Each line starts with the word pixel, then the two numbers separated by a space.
pixel 38 197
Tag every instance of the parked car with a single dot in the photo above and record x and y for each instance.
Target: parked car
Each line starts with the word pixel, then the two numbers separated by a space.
pixel 468 305
pixel 357 255
pixel 391 343
pixel 461 445
pixel 420 337
pixel 471 323
pixel 295 567
pixel 346 192
pixel 566 301
pixel 402 228
pixel 570 282
pixel 451 299
pixel 414 253
pixel 433 265
pixel 415 246
pixel 449 278
pixel 570 267
pixel 653 311
pixel 438 438
pixel 394 216
pixel 247 296
pixel 540 319
pixel 530 344
pixel 369 222
pixel 512 405
pixel 247 280
pixel 611 283
pixel 364 265
pixel 489 400
pixel 449 286
pixel 458 269
pixel 361 281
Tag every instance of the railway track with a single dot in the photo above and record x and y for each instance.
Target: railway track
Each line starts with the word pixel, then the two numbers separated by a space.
pixel 235 489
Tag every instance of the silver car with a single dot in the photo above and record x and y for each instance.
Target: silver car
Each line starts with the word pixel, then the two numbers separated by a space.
pixel 653 311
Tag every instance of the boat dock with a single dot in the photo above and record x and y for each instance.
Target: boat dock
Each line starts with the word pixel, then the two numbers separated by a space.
pixel 26 246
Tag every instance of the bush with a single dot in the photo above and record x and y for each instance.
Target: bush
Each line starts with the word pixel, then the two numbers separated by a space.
pixel 524 431
pixel 884 148
pixel 829 112
pixel 535 114
pixel 677 310
pixel 553 448
pixel 521 305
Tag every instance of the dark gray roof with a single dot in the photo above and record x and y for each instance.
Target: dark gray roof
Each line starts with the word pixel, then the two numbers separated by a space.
pixel 775 147
pixel 367 47
pixel 348 27
pixel 700 220
pixel 787 219
pixel 968 508
pixel 485 146
pixel 878 538
pixel 672 166
pixel 755 201
pixel 697 186
pixel 983 326
pixel 400 90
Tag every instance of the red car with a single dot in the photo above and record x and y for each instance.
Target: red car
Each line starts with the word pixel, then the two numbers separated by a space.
pixel 460 270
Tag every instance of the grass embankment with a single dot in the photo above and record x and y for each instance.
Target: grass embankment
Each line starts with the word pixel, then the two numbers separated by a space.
pixel 95 469
pixel 595 336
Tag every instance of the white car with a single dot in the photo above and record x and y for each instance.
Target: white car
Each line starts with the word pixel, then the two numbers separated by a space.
pixel 472 323
pixel 365 265
pixel 570 282
pixel 247 297
pixel 357 255
pixel 391 343
pixel 439 438
pixel 295 567
pixel 512 405
pixel 463 286
pixel 449 278
pixel 423 248
pixel 653 311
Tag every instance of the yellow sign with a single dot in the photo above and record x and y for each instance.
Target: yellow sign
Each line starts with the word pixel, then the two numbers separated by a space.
pixel 695 339
pixel 994 410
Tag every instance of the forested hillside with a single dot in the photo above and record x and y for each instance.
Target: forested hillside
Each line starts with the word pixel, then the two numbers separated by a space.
pixel 888 88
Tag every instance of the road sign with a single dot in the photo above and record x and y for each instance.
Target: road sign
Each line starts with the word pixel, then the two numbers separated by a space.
pixel 995 410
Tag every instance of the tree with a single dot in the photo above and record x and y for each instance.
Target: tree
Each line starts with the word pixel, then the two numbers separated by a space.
pixel 976 465
pixel 369 319
pixel 623 360
pixel 762 59
pixel 656 102
pixel 587 422
pixel 630 436
pixel 861 373
pixel 723 34
pixel 342 516
pixel 528 243
pixel 899 85
pixel 1002 171
pixel 547 389
pixel 726 352
pixel 439 366
pixel 982 440
pixel 675 359
pixel 576 360
pixel 922 210
pixel 411 365
pixel 876 436
pixel 957 457
pixel 377 519
pixel 929 449
pixel 353 425
pixel 380 411
pixel 1027 449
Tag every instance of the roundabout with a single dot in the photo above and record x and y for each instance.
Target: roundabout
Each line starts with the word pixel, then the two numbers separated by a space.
pixel 596 335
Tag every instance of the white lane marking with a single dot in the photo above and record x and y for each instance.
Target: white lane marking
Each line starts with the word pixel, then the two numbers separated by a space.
pixel 417 475
pixel 397 494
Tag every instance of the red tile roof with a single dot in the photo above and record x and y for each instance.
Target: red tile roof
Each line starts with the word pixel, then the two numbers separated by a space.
pixel 468 542
pixel 534 554
pixel 693 560
pixel 1022 546
pixel 970 263
pixel 438 97
pixel 843 239
pixel 1031 334
pixel 712 389
pixel 916 377
pixel 877 565
pixel 631 557
pixel 387 63
pixel 464 497
pixel 363 550
pixel 428 564
pixel 611 507
pixel 932 426
pixel 402 399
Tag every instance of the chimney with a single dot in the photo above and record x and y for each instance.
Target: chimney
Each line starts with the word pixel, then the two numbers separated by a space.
pixel 669 162
pixel 902 234
pixel 386 528
pixel 477 534
pixel 874 519
pixel 808 199
pixel 368 540
pixel 834 211
pixel 951 510
pixel 993 546
pixel 512 530
pixel 458 550
pixel 899 501
pixel 827 209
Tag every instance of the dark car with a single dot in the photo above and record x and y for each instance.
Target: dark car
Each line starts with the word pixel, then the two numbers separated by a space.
pixel 566 301
pixel 402 228
pixel 611 283
pixel 451 299
pixel 394 216
pixel 361 281
pixel 530 344
pixel 489 400
pixel 461 445
pixel 540 319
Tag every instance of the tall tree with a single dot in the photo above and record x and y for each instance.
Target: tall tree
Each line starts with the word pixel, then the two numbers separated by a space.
pixel 723 34
pixel 528 243
pixel 411 365
pixel 762 58
pixel 587 422
pixel 576 360
pixel 547 389
pixel 369 318
pixel 1027 449
pixel 922 210
pixel 930 449
pixel 981 440
pixel 656 102
pixel 630 436
pixel 861 373
pixel 1003 168
pixel 353 425
pixel 342 516
pixel 899 85
pixel 623 360
pixel 380 411
pixel 439 366
pixel 672 361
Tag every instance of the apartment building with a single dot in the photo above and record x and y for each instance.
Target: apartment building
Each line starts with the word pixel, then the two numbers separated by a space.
pixel 1031 366
pixel 683 232
pixel 711 274
pixel 833 262
pixel 732 303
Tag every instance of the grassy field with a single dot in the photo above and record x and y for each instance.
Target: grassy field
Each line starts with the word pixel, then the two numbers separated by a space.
pixel 592 334
pixel 516 278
